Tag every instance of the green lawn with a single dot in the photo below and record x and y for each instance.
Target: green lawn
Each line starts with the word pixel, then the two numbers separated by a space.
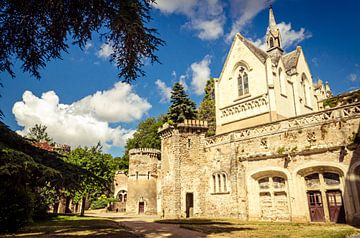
pixel 74 226
pixel 236 228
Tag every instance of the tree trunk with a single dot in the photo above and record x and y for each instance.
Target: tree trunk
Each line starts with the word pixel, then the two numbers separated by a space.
pixel 82 210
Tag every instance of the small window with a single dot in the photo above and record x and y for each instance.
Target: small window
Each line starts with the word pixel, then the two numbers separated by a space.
pixel 189 143
pixel 137 175
pixel 278 182
pixel 246 83
pixel 271 43
pixel 224 182
pixel 312 180
pixel 264 183
pixel 243 82
pixel 240 86
pixel 219 181
pixel 331 178
pixel 120 197
pixel 148 175
pixel 214 183
pixel 125 197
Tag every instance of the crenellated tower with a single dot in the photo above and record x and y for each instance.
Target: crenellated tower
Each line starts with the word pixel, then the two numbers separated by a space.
pixel 182 153
pixel 142 179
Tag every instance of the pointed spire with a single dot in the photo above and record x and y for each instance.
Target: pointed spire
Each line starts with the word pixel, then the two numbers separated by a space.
pixel 272 22
pixel 273 37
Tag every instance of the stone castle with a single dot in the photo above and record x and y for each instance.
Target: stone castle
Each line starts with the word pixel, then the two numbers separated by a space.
pixel 280 153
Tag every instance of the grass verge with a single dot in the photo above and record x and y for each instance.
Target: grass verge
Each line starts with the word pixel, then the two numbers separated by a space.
pixel 236 228
pixel 74 226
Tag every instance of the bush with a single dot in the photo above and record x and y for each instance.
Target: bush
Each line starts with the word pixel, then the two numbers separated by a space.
pixel 16 208
pixel 101 202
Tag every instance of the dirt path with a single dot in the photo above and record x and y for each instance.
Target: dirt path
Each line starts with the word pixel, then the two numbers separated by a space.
pixel 146 227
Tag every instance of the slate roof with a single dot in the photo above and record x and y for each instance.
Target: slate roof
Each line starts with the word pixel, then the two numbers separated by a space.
pixel 290 60
pixel 262 55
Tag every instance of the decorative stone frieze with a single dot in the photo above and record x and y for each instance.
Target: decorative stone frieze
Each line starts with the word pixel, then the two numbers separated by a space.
pixel 241 107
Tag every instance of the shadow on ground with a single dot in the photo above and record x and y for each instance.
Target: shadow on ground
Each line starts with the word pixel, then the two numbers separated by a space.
pixel 75 228
pixel 208 226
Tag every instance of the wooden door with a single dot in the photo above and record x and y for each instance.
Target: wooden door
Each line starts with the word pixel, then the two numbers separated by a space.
pixel 141 207
pixel 316 206
pixel 336 206
pixel 189 204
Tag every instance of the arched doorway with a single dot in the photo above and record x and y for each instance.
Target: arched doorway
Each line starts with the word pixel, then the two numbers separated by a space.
pixel 324 188
pixel 269 196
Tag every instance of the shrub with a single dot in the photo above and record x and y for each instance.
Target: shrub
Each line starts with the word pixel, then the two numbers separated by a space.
pixel 16 208
pixel 101 202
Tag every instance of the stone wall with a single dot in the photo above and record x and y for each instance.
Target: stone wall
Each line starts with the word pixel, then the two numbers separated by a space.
pixel 259 173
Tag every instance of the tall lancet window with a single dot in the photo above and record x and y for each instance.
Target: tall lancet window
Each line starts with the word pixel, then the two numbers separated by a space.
pixel 243 82
pixel 271 43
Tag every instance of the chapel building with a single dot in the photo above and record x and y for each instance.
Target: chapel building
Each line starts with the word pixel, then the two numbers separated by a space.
pixel 285 149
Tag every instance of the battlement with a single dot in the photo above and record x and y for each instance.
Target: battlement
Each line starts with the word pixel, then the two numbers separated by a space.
pixel 143 151
pixel 193 123
pixel 186 126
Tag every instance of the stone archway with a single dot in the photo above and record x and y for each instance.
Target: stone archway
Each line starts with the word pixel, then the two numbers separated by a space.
pixel 269 195
pixel 324 187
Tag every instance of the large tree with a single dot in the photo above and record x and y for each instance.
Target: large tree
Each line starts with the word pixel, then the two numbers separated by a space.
pixel 206 110
pixel 25 173
pixel 100 167
pixel 146 136
pixel 35 32
pixel 181 107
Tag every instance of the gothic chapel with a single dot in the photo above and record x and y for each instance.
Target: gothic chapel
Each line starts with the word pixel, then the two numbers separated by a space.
pixel 285 149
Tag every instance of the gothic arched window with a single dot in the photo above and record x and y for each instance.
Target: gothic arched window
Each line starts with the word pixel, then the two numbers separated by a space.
pixel 243 82
pixel 271 43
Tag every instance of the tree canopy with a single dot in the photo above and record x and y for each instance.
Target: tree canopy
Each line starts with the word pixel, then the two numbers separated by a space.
pixel 206 110
pixel 181 107
pixel 146 136
pixel 35 32
pixel 38 133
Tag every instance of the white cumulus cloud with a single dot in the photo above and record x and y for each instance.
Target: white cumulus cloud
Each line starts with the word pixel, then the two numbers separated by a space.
pixel 200 74
pixel 85 122
pixel 165 91
pixel 106 50
pixel 246 10
pixel 206 17
pixel 289 36
pixel 119 104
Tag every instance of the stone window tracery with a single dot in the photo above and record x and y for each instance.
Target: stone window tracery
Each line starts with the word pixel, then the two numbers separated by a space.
pixel 219 183
pixel 122 195
pixel 331 178
pixel 328 178
pixel 243 82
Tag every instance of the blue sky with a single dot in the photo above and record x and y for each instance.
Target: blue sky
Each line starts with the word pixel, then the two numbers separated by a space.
pixel 81 100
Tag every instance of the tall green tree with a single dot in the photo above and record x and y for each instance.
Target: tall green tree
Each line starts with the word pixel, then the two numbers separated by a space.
pixel 206 109
pixel 38 133
pixel 100 172
pixel 35 32
pixel 146 136
pixel 181 107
